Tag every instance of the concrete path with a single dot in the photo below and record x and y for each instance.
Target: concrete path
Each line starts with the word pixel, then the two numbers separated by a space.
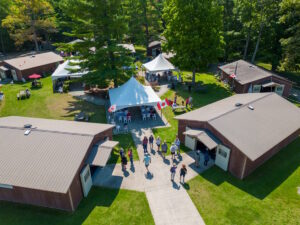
pixel 169 202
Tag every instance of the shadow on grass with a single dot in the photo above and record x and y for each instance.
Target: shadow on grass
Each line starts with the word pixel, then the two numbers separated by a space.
pixel 266 178
pixel 96 113
pixel 11 213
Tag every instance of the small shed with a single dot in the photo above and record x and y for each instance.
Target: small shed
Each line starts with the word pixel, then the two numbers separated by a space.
pixel 42 63
pixel 245 77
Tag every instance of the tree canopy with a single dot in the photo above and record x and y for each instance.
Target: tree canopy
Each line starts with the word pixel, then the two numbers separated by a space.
pixel 194 32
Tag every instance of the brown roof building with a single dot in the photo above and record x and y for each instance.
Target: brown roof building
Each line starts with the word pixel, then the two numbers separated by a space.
pixel 45 164
pixel 42 63
pixel 244 77
pixel 242 131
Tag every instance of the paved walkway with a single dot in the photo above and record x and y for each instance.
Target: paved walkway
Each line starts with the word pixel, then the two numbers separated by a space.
pixel 169 201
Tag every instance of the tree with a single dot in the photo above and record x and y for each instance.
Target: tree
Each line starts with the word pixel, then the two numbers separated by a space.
pixel 193 32
pixel 4 5
pixel 290 18
pixel 101 26
pixel 28 20
pixel 145 22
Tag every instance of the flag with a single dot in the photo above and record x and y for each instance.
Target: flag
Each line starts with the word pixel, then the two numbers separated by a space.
pixel 163 104
pixel 232 76
pixel 112 108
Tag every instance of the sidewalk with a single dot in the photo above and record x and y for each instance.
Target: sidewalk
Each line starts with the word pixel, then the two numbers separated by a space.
pixel 169 202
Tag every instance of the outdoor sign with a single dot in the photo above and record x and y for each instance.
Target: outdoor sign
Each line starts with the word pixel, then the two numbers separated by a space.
pixel 256 88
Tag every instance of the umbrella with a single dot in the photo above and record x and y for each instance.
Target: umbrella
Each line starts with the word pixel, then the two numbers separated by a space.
pixel 34 76
pixel 112 108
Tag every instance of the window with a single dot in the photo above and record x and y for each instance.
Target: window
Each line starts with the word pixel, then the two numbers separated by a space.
pixel 222 153
pixel 87 176
pixel 6 186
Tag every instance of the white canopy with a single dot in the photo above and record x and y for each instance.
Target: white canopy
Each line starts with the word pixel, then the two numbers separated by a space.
pixel 63 70
pixel 159 64
pixel 131 94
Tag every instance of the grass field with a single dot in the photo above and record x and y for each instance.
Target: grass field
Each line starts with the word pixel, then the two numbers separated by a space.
pixel 126 142
pixel 102 206
pixel 43 103
pixel 268 196
pixel 214 92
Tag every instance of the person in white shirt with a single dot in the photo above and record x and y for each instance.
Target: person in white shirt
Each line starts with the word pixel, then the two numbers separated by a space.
pixel 158 143
pixel 177 143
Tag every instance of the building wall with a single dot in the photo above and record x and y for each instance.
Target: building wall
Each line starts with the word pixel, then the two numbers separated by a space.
pixel 243 88
pixel 237 158
pixel 41 70
pixel 252 165
pixel 36 197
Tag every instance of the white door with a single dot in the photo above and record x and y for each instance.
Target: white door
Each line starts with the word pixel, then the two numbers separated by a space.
pixel 279 89
pixel 190 142
pixel 222 157
pixel 14 75
pixel 86 180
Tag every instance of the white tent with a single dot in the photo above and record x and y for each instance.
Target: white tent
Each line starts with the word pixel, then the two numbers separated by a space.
pixel 159 64
pixel 63 70
pixel 131 94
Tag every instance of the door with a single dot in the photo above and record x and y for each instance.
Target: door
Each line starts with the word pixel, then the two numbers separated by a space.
pixel 14 75
pixel 222 157
pixel 86 180
pixel 190 142
pixel 279 89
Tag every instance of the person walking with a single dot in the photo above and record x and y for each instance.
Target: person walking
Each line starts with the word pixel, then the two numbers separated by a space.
pixel 158 142
pixel 206 158
pixel 130 155
pixel 124 162
pixel 147 161
pixel 173 149
pixel 164 149
pixel 197 158
pixel 177 143
pixel 145 143
pixel 183 172
pixel 151 139
pixel 173 171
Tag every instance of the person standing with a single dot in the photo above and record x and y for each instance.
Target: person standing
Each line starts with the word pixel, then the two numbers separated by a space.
pixel 177 143
pixel 175 99
pixel 173 171
pixel 151 139
pixel 121 152
pixel 164 149
pixel 173 149
pixel 145 143
pixel 206 158
pixel 158 142
pixel 147 161
pixel 197 158
pixel 183 172
pixel 130 155
pixel 124 162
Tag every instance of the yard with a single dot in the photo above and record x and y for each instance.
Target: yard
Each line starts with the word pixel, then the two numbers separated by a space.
pixel 214 91
pixel 102 206
pixel 268 196
pixel 44 104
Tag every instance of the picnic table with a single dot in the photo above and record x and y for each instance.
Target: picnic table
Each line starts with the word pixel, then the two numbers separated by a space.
pixel 23 94
pixel 82 117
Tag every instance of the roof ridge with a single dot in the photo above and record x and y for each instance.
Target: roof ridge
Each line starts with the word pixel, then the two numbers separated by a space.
pixel 46 131
pixel 242 106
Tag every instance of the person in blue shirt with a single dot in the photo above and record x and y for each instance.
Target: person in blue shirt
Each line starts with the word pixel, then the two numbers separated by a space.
pixel 147 161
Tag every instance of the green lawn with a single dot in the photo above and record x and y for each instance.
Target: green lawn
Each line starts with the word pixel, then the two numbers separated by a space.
pixel 126 142
pixel 102 206
pixel 268 196
pixel 44 103
pixel 215 91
